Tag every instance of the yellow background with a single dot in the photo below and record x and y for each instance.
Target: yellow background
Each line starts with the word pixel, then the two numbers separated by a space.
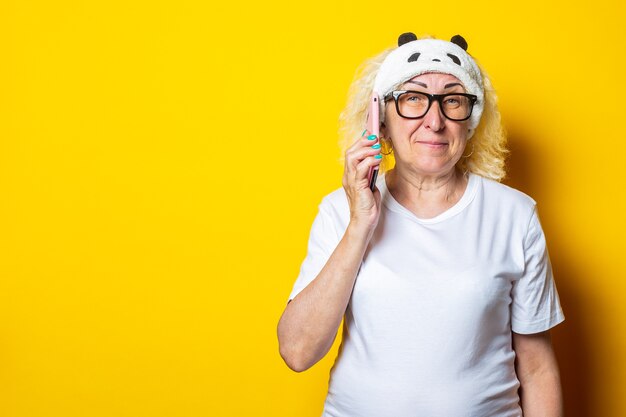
pixel 161 163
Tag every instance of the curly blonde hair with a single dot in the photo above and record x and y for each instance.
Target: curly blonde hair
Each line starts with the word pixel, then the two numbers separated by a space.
pixel 488 143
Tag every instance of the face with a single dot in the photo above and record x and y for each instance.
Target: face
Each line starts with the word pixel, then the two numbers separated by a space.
pixel 433 144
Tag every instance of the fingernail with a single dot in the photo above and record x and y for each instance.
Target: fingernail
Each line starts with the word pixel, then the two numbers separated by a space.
pixel 371 137
pixel 379 156
pixel 363 134
pixel 377 146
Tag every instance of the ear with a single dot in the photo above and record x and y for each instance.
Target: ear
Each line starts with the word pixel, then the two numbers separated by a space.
pixel 382 129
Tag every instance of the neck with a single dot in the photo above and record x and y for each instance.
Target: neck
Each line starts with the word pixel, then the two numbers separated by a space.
pixel 412 187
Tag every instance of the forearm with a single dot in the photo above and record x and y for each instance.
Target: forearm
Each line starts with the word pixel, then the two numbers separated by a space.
pixel 541 395
pixel 309 324
pixel 538 373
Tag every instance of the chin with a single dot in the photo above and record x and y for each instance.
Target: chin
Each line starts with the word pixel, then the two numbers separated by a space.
pixel 432 166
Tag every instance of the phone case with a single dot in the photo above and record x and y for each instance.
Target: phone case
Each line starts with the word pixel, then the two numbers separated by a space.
pixel 373 126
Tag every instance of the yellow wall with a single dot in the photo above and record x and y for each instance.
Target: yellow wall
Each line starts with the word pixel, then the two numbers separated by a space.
pixel 161 163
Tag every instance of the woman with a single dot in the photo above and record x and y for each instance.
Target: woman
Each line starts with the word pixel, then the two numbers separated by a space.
pixel 442 272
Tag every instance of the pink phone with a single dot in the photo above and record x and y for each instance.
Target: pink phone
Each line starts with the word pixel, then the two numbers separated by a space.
pixel 373 126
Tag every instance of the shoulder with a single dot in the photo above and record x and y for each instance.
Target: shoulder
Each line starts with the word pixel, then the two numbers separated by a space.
pixel 504 193
pixel 335 210
pixel 505 201
pixel 336 203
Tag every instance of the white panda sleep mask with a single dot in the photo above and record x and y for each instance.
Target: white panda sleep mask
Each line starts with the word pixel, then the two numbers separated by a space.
pixel 413 57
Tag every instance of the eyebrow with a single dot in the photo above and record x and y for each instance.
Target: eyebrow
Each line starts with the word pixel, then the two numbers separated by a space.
pixel 425 86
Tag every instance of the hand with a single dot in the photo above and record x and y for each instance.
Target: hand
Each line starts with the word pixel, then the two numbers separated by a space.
pixel 364 204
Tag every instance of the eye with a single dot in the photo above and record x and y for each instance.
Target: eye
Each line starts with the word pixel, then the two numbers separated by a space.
pixel 414 97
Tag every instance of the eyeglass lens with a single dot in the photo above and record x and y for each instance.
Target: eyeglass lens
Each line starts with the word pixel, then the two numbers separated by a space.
pixel 414 104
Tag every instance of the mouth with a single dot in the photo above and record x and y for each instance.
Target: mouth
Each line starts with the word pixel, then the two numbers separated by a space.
pixel 433 144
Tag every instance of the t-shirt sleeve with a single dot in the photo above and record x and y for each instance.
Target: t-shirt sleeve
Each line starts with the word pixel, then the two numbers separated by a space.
pixel 323 240
pixel 535 306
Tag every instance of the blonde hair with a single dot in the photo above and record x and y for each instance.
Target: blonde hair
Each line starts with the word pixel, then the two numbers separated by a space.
pixel 488 144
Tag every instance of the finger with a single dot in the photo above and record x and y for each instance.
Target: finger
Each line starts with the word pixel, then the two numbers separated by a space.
pixel 357 155
pixel 357 176
pixel 354 157
pixel 363 168
pixel 363 143
pixel 364 140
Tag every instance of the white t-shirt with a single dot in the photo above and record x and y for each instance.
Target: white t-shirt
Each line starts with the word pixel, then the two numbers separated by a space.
pixel 427 331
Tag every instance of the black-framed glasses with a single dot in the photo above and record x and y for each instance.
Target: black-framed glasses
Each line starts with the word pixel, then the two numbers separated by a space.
pixel 415 104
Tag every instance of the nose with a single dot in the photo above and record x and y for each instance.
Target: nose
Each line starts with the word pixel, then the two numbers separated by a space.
pixel 434 118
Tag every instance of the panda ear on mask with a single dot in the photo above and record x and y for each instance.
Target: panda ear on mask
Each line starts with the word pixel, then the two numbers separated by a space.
pixel 410 37
pixel 406 38
pixel 459 40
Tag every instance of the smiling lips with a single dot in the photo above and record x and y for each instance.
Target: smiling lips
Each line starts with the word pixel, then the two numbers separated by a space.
pixel 433 144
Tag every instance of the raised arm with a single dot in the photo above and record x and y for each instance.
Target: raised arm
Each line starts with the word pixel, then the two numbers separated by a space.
pixel 309 324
